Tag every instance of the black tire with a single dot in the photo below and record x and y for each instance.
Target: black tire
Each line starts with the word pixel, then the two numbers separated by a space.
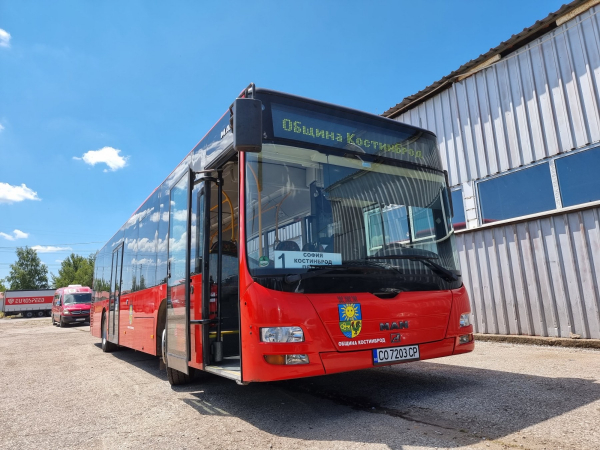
pixel 52 319
pixel 41 313
pixel 61 324
pixel 107 346
pixel 177 378
pixel 28 314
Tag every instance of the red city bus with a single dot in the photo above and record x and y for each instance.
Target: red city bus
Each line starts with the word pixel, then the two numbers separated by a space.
pixel 297 238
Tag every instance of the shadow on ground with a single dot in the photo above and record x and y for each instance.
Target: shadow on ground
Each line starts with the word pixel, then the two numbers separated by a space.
pixel 464 405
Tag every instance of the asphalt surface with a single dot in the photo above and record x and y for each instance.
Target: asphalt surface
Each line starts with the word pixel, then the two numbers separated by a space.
pixel 58 390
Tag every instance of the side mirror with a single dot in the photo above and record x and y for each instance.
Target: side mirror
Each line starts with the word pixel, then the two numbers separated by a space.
pixel 247 124
pixel 58 303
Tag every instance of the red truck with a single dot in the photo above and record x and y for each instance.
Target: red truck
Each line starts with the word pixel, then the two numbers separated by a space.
pixel 28 303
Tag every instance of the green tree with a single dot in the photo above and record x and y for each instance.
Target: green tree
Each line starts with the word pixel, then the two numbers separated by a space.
pixel 75 269
pixel 2 287
pixel 28 272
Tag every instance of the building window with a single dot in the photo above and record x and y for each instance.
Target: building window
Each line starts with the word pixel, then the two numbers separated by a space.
pixel 458 220
pixel 519 193
pixel 578 177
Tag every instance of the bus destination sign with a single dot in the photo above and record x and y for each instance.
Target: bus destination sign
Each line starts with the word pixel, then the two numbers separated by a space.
pixel 318 128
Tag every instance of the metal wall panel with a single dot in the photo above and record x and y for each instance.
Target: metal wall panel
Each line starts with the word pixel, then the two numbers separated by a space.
pixel 538 277
pixel 540 101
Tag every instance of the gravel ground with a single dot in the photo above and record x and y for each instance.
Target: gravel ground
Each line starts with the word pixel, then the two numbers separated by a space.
pixel 60 391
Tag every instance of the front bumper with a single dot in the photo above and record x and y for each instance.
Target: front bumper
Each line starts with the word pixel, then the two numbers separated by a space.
pixel 335 362
pixel 324 363
pixel 78 318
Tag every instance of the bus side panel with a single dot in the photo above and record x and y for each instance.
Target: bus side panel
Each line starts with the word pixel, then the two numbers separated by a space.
pixel 96 315
pixel 126 329
pixel 144 319
pixel 262 307
pixel 138 319
pixel 143 335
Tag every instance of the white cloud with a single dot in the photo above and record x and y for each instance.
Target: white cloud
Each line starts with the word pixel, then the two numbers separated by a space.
pixel 143 261
pixel 4 38
pixel 180 216
pixel 17 234
pixel 10 194
pixel 58 261
pixel 50 249
pixel 138 217
pixel 107 155
pixel 20 234
pixel 1 128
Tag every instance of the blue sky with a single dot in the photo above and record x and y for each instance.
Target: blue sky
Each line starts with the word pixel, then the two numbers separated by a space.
pixel 99 101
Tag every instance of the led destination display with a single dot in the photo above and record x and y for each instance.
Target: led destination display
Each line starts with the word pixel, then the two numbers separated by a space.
pixel 390 140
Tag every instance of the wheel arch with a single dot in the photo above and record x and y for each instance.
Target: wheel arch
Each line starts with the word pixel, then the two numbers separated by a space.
pixel 161 322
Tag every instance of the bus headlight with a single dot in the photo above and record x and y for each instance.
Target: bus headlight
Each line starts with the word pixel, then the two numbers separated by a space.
pixel 281 334
pixel 465 321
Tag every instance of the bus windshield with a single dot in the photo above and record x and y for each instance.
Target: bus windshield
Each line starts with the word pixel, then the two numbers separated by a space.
pixel 347 218
pixel 78 298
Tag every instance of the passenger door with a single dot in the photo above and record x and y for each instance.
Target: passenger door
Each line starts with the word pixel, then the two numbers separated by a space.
pixel 197 258
pixel 54 307
pixel 178 270
pixel 115 295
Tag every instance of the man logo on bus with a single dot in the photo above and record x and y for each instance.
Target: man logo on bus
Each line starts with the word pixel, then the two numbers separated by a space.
pixel 350 319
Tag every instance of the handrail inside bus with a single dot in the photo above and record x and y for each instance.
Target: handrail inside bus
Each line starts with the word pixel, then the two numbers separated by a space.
pixel 277 216
pixel 228 200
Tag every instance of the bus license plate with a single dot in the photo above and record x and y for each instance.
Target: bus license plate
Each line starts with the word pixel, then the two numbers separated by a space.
pixel 394 354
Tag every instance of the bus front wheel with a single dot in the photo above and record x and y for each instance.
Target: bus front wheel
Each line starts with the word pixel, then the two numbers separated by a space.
pixel 107 346
pixel 175 377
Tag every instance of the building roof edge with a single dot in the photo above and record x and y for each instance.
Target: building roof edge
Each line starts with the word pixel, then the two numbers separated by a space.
pixel 553 20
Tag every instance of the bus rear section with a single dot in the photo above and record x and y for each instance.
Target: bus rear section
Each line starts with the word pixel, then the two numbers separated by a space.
pixel 309 239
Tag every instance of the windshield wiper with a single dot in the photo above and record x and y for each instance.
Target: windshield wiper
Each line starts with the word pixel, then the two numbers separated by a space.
pixel 439 270
pixel 316 271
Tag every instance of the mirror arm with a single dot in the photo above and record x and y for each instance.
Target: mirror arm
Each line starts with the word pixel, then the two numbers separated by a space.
pixel 449 193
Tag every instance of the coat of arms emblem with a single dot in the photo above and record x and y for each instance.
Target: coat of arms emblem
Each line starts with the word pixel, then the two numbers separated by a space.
pixel 350 319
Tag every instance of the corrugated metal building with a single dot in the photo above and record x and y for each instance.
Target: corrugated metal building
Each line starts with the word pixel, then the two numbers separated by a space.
pixel 519 132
